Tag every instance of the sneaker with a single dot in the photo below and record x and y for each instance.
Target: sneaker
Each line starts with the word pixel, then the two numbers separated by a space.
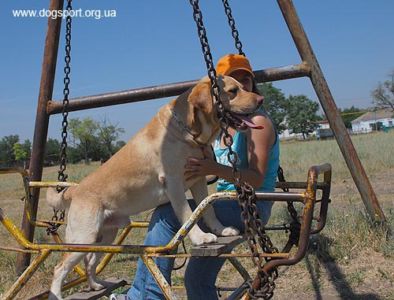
pixel 118 297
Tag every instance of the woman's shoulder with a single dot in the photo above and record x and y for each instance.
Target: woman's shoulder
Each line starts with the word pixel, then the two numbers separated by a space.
pixel 263 119
pixel 267 135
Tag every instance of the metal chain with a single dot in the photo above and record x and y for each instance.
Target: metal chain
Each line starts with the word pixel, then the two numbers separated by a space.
pixel 215 90
pixel 66 92
pixel 63 148
pixel 290 204
pixel 254 227
pixel 295 225
pixel 246 196
pixel 234 31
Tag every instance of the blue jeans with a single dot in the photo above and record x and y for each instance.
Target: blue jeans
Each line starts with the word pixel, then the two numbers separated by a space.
pixel 201 273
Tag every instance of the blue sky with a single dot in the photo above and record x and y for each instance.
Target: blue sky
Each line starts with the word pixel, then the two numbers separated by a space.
pixel 155 42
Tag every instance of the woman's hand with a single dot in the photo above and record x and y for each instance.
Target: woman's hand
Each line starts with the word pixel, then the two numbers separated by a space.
pixel 201 167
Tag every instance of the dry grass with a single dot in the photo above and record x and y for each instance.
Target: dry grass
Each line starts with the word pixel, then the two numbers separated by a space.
pixel 375 151
pixel 349 260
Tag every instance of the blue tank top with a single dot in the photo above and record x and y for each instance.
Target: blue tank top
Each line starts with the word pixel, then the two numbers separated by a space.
pixel 240 147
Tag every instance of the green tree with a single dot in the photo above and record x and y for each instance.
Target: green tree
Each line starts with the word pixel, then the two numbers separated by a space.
pixel 27 147
pixel 383 95
pixel 84 131
pixel 52 152
pixel 274 104
pixel 118 145
pixel 302 114
pixel 108 134
pixel 74 155
pixel 20 154
pixel 349 114
pixel 7 155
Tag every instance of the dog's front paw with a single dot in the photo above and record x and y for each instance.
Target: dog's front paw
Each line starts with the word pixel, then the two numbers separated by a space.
pixel 204 238
pixel 229 231
pixel 95 286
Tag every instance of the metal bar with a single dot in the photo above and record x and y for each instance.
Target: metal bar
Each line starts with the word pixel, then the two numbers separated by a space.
pixel 45 184
pixel 304 231
pixel 158 276
pixel 325 199
pixel 21 171
pixel 13 249
pixel 119 240
pixel 82 275
pixel 298 185
pixel 336 123
pixel 280 196
pixel 68 285
pixel 77 268
pixel 167 90
pixel 42 120
pixel 222 255
pixel 306 223
pixel 240 268
pixel 26 275
pixel 132 249
pixel 28 208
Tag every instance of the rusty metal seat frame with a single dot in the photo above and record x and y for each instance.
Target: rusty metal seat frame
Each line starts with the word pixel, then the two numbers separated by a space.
pixel 307 197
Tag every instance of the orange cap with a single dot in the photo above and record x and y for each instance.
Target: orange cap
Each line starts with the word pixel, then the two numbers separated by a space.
pixel 233 62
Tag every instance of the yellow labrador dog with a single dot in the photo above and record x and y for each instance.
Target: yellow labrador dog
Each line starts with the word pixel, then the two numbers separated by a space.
pixel 149 171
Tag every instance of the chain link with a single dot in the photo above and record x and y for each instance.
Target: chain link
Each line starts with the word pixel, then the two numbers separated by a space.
pixel 66 91
pixel 290 204
pixel 234 31
pixel 254 228
pixel 54 226
pixel 295 225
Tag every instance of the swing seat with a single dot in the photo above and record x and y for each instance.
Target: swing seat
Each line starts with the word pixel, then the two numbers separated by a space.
pixel 91 295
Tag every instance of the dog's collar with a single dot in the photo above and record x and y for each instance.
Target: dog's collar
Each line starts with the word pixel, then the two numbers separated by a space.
pixel 183 131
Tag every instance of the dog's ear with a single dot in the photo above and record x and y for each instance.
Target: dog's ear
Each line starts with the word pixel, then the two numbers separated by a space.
pixel 200 97
pixel 200 101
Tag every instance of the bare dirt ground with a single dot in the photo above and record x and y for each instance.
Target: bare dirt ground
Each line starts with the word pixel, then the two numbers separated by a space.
pixel 366 274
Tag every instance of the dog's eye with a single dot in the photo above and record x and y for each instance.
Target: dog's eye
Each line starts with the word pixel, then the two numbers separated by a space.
pixel 233 91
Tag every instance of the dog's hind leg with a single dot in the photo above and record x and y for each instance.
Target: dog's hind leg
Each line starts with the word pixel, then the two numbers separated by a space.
pixel 106 237
pixel 82 228
pixel 61 270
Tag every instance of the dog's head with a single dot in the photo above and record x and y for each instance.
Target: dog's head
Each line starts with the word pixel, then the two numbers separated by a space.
pixel 238 104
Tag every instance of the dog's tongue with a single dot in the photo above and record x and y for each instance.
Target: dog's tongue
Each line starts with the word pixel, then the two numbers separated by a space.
pixel 248 122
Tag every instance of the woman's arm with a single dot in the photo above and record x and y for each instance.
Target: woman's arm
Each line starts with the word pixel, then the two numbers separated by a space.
pixel 259 144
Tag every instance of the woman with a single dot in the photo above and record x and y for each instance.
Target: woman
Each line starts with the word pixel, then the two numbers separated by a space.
pixel 258 153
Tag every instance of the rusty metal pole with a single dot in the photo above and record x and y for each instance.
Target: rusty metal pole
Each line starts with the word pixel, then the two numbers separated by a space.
pixel 41 124
pixel 334 118
pixel 166 90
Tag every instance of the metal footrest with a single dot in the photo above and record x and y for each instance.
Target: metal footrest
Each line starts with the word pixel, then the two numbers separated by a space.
pixel 224 244
pixel 91 295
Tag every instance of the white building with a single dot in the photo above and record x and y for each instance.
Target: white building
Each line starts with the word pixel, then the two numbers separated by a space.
pixel 323 124
pixel 366 122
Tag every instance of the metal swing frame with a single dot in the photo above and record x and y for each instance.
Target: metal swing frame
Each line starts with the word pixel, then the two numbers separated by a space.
pixel 309 67
pixel 310 224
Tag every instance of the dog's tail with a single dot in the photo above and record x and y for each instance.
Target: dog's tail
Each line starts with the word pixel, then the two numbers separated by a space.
pixel 60 200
